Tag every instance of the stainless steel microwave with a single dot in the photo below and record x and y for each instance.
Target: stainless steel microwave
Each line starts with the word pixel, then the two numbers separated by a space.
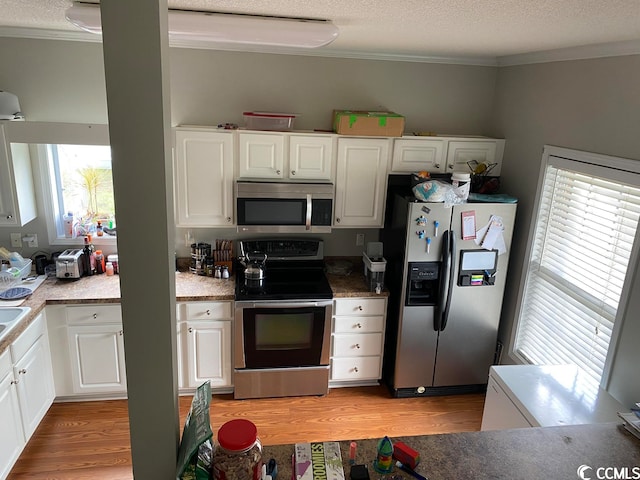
pixel 263 207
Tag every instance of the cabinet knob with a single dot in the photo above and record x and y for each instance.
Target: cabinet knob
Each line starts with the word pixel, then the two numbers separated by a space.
pixel 208 312
pixel 9 217
pixel 121 332
pixel 437 165
pixel 358 325
pixel 190 329
pixel 293 172
pixel 357 346
pixel 355 369
pixel 277 172
pixel 229 219
pixel 337 220
pixel 14 382
pixel 95 315
pixel 451 166
pixel 360 307
pixel 22 371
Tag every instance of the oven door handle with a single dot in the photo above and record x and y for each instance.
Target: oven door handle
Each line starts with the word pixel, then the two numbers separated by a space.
pixel 312 303
pixel 308 217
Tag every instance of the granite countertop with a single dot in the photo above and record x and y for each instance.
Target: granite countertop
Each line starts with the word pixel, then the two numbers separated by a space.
pixel 189 288
pixel 519 454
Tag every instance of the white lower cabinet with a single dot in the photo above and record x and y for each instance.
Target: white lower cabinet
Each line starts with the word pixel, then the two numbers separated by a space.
pixel 357 341
pixel 96 349
pixel 205 341
pixel 26 390
pixel 12 439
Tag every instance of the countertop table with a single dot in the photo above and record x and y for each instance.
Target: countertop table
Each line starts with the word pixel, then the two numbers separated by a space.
pixel 519 454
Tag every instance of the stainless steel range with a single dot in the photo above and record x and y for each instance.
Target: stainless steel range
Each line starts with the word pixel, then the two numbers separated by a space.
pixel 282 320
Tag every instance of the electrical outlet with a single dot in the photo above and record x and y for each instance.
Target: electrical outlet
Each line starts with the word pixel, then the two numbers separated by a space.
pixel 359 239
pixel 31 239
pixel 16 240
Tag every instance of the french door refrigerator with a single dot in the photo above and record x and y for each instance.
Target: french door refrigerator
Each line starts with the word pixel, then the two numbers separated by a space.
pixel 446 272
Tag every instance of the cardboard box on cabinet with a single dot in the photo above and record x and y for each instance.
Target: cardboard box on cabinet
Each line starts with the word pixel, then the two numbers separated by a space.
pixel 378 124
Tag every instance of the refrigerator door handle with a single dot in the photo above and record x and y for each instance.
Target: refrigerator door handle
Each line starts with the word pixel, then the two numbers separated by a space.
pixel 444 281
pixel 451 248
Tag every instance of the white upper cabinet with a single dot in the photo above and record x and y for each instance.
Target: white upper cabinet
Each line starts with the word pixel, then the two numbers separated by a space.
pixel 464 154
pixel 17 195
pixel 285 156
pixel 311 157
pixel 361 182
pixel 261 155
pixel 412 155
pixel 204 177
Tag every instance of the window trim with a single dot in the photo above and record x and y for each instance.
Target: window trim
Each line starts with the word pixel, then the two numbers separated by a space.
pixel 39 134
pixel 616 168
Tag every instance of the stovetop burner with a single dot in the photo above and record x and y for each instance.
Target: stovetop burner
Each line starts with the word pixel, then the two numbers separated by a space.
pixel 294 271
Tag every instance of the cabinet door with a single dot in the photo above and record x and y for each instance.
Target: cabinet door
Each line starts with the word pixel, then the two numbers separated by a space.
pixel 35 384
pixel 12 438
pixel 464 155
pixel 208 353
pixel 17 194
pixel 97 358
pixel 204 178
pixel 500 413
pixel 310 157
pixel 261 155
pixel 415 155
pixel 361 182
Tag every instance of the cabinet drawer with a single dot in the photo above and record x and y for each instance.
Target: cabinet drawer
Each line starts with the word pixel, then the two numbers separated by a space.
pixel 101 314
pixel 345 345
pixel 27 338
pixel 209 310
pixel 360 306
pixel 353 324
pixel 355 368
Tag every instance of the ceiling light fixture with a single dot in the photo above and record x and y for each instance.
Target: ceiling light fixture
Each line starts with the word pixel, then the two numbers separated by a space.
pixel 225 28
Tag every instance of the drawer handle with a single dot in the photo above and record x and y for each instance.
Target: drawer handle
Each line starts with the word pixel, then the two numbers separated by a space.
pixel 95 315
pixel 190 329
pixel 355 369
pixel 22 371
pixel 360 307
pixel 358 325
pixel 357 345
pixel 208 312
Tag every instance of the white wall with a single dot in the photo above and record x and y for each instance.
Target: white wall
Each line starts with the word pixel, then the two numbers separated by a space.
pixel 591 105
pixel 62 81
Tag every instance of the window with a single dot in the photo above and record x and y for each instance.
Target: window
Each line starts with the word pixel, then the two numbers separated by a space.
pixel 83 186
pixel 585 235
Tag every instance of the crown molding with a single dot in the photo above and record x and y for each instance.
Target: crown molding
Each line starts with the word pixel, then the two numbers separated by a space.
pixel 584 52
pixel 612 49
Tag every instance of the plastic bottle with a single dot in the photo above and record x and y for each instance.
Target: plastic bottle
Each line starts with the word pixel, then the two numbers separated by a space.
pixel 238 450
pixel 113 258
pixel 67 221
pixel 99 229
pixel 100 266
pixel 109 269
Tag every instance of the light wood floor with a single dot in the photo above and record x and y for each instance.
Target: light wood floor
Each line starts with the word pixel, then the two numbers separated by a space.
pixel 90 440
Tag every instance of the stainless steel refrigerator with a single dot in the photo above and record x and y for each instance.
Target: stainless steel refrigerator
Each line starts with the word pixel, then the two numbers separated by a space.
pixel 446 271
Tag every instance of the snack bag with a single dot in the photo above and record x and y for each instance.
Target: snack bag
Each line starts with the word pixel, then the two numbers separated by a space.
pixel 195 456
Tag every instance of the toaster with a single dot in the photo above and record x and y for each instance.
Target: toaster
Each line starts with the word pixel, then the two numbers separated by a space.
pixel 70 264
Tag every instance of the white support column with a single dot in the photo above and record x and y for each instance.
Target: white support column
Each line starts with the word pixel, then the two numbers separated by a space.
pixel 136 50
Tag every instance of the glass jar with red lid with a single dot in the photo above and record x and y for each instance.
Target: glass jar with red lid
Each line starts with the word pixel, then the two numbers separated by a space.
pixel 238 453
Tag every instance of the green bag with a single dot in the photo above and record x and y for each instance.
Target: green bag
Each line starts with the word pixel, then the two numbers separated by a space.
pixel 195 456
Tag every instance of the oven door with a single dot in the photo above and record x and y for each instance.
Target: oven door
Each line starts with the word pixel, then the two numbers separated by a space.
pixel 282 334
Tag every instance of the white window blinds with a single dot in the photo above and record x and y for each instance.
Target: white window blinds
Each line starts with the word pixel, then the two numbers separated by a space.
pixel 584 235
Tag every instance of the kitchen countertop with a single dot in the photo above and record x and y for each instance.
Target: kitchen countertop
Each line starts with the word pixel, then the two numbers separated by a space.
pixel 189 288
pixel 519 454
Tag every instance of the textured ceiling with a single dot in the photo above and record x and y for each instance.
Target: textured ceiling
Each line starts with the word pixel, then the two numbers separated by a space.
pixel 420 28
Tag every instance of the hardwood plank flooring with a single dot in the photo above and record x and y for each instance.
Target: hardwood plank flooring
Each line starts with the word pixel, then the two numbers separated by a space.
pixel 90 440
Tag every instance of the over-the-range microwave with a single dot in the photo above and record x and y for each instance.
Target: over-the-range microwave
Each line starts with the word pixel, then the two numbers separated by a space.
pixel 265 207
